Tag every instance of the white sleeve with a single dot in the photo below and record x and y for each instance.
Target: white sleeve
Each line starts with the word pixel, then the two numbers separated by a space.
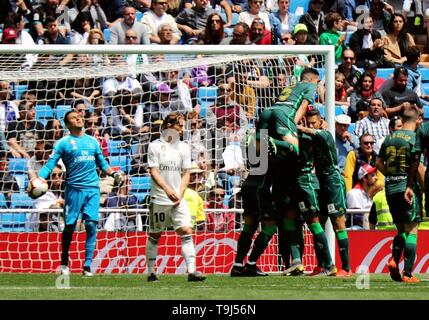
pixel 353 200
pixel 152 156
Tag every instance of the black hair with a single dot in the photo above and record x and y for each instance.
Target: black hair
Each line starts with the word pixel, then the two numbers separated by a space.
pixel 308 70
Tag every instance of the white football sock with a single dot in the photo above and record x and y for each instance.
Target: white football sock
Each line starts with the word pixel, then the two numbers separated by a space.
pixel 188 252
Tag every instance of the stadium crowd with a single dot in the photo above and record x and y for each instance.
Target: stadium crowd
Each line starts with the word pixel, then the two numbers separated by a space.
pixel 378 75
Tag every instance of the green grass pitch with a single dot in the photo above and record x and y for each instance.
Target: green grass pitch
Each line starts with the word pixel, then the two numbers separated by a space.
pixel 222 287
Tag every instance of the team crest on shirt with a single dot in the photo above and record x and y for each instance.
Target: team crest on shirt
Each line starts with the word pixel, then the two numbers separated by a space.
pixel 73 143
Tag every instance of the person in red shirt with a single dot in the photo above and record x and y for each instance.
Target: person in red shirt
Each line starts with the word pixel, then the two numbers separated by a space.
pixel 218 221
pixel 258 34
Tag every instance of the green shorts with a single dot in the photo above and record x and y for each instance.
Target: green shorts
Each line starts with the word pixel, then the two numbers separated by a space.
pixel 306 195
pixel 332 198
pixel 401 210
pixel 256 195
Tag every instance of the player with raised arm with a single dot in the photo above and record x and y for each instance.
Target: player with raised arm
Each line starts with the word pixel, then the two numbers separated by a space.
pixel 169 162
pixel 332 197
pixel 81 154
pixel 277 128
pixel 398 160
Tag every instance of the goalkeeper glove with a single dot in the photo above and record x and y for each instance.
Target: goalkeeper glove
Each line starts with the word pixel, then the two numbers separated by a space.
pixel 118 177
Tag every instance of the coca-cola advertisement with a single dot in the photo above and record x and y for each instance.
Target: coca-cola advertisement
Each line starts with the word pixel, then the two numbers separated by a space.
pixel 118 252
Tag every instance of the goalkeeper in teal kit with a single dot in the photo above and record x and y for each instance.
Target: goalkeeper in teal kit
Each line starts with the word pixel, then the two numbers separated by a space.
pixel 81 155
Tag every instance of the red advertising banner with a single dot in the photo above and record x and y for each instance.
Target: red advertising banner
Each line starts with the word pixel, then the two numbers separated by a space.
pixel 125 252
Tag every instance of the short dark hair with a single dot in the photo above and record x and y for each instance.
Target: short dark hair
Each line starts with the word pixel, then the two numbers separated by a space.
pixel 398 71
pixel 412 54
pixel 172 118
pixel 66 116
pixel 308 70
pixel 313 112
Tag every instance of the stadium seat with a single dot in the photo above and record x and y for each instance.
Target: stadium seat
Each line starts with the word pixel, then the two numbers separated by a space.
pixel 426 113
pixel 139 15
pixel 321 73
pixel 106 33
pixel 425 74
pixel 61 110
pixel 352 127
pixel 13 222
pixel 22 180
pixel 321 109
pixel 140 184
pixel 425 87
pixel 301 4
pixel 338 110
pixel 120 162
pixel 233 182
pixel 19 90
pixel 385 73
pixel 44 112
pixel 18 165
pixel 141 196
pixel 21 200
pixel 117 147
pixel 206 97
pixel 3 203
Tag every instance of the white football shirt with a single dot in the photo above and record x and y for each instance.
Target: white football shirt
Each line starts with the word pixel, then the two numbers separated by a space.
pixel 170 159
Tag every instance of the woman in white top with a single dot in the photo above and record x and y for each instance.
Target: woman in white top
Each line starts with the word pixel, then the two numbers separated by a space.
pixel 254 11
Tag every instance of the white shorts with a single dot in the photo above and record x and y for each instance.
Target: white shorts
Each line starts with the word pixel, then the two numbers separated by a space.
pixel 163 216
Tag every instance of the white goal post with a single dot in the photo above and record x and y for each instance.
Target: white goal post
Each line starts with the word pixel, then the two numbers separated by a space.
pixel 13 256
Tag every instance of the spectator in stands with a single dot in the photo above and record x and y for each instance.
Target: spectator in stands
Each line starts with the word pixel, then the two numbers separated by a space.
pixel 287 20
pixel 53 199
pixel 134 60
pixel 341 96
pixel 224 5
pixel 117 30
pixel 23 134
pixel 42 151
pixel 8 183
pixel 345 141
pixel 254 11
pixel 367 44
pixel 240 35
pixel 165 34
pixel 52 35
pixel 314 19
pixel 8 113
pixel 414 76
pixel 375 124
pixel 154 18
pixel 43 15
pixel 193 21
pixel 112 86
pixel 80 28
pixel 381 12
pixel 300 36
pixel 395 123
pixel 84 90
pixel 92 128
pixel 174 7
pixel 349 69
pixel 24 37
pixel 398 97
pixel 362 96
pixel 196 137
pixel 180 96
pixel 121 198
pixel 214 31
pixel 193 198
pixel 397 41
pixel 365 154
pixel 371 68
pixel 258 34
pixel 219 221
pixel 360 197
pixel 229 116
pixel 54 131
pixel 351 11
pixel 332 36
pixel 96 13
pixel 9 36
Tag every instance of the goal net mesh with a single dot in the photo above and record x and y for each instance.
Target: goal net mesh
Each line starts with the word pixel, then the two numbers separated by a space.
pixel 124 99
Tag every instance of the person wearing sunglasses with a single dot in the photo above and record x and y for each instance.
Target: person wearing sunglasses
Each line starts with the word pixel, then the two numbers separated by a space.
pixel 155 17
pixel 258 34
pixel 357 157
pixel 314 19
pixel 253 12
pixel 349 69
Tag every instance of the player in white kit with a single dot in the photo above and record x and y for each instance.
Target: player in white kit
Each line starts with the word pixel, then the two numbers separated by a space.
pixel 169 161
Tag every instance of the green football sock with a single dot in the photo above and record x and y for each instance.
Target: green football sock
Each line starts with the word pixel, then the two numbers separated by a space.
pixel 320 245
pixel 244 242
pixel 261 242
pixel 398 246
pixel 343 246
pixel 289 226
pixel 410 254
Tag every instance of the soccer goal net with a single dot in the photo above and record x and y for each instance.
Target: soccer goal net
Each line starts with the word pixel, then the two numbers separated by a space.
pixel 124 94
